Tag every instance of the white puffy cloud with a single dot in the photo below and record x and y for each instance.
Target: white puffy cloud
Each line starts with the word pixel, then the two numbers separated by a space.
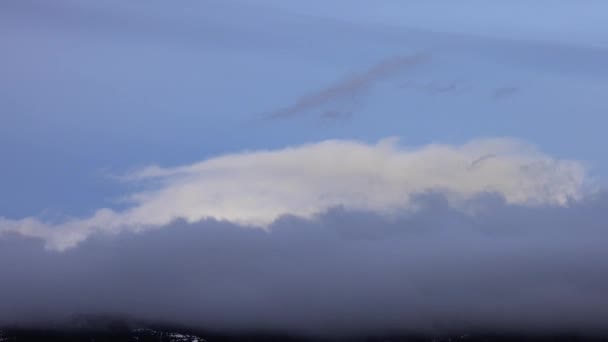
pixel 255 188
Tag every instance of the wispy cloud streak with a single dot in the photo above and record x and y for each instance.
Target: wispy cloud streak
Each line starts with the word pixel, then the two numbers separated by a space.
pixel 351 87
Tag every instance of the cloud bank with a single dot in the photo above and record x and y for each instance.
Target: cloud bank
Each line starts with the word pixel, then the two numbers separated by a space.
pixel 508 268
pixel 332 238
pixel 255 188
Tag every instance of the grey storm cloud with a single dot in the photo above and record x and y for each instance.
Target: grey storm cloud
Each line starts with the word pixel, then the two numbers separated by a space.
pixel 350 88
pixel 499 267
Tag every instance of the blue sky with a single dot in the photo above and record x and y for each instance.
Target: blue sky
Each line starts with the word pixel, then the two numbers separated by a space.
pixel 91 89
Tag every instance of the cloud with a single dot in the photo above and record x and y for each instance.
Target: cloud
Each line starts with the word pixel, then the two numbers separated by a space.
pixel 481 160
pixel 504 268
pixel 331 238
pixel 350 88
pixel 209 26
pixel 255 188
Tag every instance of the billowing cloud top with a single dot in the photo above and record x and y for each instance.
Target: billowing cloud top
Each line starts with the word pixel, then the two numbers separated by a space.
pixel 255 188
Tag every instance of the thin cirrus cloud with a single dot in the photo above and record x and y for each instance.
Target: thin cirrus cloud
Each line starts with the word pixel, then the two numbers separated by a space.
pixel 350 88
pixel 256 188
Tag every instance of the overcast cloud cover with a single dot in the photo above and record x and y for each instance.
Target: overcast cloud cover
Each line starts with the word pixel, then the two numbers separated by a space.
pixel 328 167
pixel 507 268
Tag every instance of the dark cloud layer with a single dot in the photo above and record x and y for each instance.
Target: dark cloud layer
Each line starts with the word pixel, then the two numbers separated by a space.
pixel 505 268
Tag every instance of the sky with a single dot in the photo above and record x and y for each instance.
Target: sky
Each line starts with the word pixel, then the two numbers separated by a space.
pixel 413 140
